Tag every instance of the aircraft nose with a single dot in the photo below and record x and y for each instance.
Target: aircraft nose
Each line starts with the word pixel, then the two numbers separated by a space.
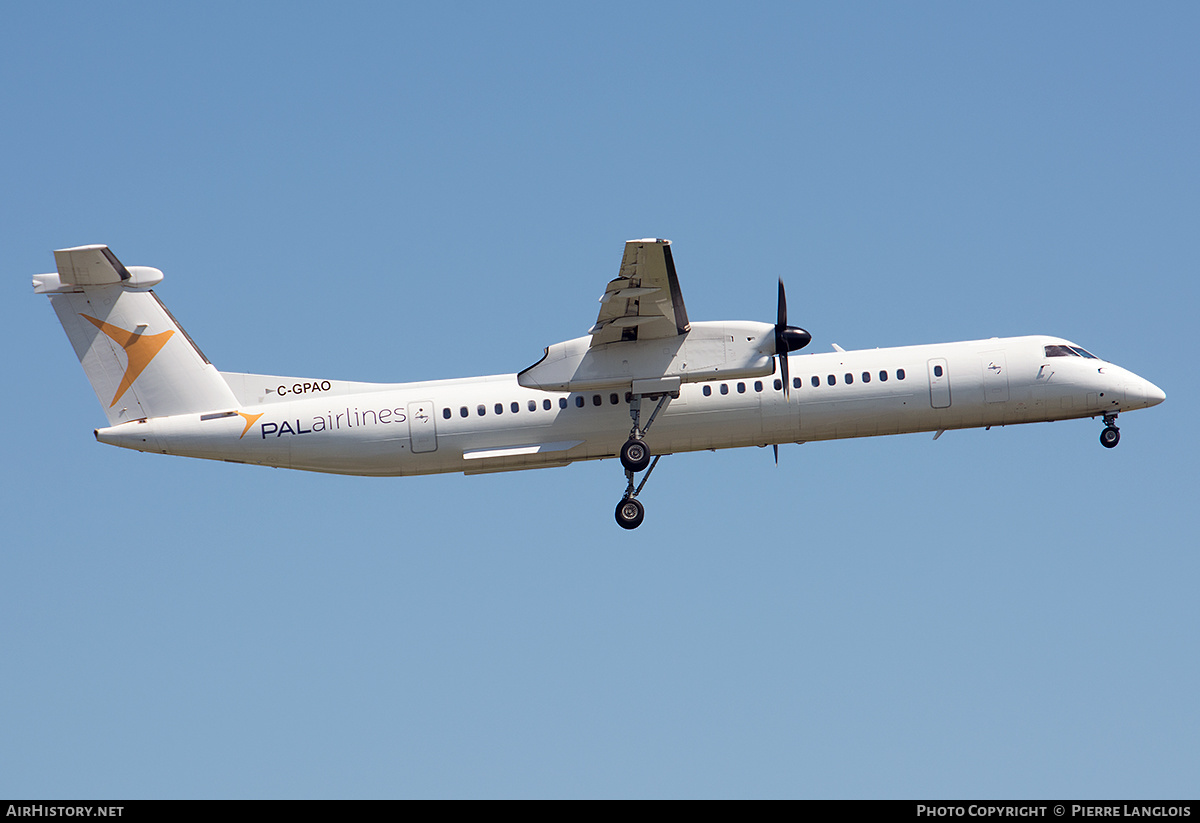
pixel 1146 393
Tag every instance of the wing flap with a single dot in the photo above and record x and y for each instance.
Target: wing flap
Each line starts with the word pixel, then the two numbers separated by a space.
pixel 644 301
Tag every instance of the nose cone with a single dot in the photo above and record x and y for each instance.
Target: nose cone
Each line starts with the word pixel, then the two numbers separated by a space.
pixel 1154 395
pixel 1145 394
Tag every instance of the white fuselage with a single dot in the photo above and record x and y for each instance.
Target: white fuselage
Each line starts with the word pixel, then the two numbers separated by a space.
pixel 486 424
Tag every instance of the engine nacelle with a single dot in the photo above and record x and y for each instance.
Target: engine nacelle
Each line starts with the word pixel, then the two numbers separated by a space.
pixel 709 351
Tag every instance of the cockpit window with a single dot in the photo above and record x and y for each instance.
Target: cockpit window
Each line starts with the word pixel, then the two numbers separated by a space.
pixel 1069 351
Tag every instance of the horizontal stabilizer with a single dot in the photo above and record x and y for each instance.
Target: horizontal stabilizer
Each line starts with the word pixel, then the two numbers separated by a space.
pixel 84 267
pixel 90 266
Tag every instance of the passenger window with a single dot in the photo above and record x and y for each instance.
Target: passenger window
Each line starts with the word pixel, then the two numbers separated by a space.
pixel 562 402
pixel 796 382
pixel 612 398
pixel 707 390
pixel 481 410
pixel 831 380
pixel 758 385
pixel 445 414
pixel 899 374
pixel 816 381
pixel 579 401
pixel 883 377
pixel 724 388
pixel 499 408
pixel 597 400
pixel 849 378
pixel 462 412
pixel 533 405
pixel 741 388
pixel 546 404
pixel 515 406
pixel 937 371
pixel 866 377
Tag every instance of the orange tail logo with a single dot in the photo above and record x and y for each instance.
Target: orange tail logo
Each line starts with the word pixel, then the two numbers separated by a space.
pixel 250 420
pixel 140 349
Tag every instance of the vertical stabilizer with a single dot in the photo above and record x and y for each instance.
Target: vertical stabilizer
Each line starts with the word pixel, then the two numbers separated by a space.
pixel 140 362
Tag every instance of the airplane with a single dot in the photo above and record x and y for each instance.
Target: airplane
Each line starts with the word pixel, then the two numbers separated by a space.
pixel 685 386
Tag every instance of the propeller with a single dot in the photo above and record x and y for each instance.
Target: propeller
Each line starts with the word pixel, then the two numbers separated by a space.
pixel 787 339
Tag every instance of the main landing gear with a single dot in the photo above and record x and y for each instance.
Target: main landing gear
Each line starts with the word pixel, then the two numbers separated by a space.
pixel 635 457
pixel 1111 435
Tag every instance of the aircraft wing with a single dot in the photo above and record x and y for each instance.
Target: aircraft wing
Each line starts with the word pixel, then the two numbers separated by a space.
pixel 643 301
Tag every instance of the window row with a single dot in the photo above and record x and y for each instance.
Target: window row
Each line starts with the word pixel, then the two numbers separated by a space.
pixel 741 388
pixel 613 398
pixel 797 382
pixel 532 405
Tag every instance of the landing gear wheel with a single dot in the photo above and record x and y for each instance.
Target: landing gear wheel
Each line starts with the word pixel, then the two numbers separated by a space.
pixel 1110 437
pixel 630 513
pixel 635 456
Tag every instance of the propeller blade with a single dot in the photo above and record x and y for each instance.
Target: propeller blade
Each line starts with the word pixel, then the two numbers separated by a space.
pixel 775 446
pixel 787 339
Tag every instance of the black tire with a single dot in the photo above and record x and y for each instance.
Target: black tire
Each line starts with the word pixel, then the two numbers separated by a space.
pixel 630 513
pixel 635 455
pixel 1110 437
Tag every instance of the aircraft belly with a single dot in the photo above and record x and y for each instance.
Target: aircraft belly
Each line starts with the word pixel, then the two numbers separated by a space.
pixel 700 429
pixel 831 419
pixel 353 455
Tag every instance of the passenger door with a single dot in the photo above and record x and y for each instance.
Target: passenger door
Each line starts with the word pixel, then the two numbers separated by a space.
pixel 995 377
pixel 422 430
pixel 939 383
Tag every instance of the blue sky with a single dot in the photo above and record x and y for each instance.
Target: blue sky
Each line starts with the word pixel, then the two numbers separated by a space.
pixel 402 192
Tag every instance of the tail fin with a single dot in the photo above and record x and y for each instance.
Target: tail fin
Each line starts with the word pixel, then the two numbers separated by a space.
pixel 140 362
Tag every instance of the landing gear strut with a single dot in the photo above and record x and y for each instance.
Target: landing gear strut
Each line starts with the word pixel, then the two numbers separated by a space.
pixel 1111 435
pixel 630 510
pixel 635 457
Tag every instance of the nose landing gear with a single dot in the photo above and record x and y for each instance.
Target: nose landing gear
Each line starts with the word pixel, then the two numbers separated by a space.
pixel 1111 435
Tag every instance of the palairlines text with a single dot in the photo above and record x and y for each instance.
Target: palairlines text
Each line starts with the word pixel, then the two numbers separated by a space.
pixel 332 421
